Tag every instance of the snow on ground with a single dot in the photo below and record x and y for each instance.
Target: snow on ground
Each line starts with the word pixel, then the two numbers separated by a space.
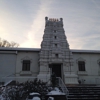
pixel 3 92
pixel 56 91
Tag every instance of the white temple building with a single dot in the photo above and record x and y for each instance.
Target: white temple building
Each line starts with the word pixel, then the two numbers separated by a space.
pixel 53 56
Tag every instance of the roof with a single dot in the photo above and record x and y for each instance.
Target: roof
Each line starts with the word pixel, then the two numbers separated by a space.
pixel 38 49
pixel 18 49
pixel 84 51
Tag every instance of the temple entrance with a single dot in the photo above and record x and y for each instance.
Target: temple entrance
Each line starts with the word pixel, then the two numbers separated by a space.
pixel 56 68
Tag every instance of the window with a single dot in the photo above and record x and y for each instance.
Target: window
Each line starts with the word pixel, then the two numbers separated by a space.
pixel 56 55
pixel 55 31
pixel 55 45
pixel 99 63
pixel 26 65
pixel 81 65
pixel 55 37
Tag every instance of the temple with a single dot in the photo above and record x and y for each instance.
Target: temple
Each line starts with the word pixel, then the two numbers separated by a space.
pixel 54 56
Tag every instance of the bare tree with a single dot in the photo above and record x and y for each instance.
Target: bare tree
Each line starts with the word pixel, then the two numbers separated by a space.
pixel 8 44
pixel 5 43
pixel 12 44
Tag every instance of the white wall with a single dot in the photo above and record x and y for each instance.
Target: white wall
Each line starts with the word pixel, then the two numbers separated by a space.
pixel 34 66
pixel 91 75
pixel 7 64
pixel 11 63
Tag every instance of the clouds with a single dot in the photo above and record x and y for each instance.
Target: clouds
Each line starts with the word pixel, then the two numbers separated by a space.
pixel 16 19
pixel 23 21
pixel 83 28
pixel 36 32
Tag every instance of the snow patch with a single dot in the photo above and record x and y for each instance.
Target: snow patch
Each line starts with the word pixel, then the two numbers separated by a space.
pixel 56 91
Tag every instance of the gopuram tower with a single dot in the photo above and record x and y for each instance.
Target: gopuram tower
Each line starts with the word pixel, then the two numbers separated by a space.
pixel 55 55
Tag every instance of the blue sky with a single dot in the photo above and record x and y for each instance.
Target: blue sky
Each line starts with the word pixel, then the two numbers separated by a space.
pixel 23 21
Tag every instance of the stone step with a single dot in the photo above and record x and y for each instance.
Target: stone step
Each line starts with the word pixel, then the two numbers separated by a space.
pixel 83 87
pixel 83 98
pixel 84 93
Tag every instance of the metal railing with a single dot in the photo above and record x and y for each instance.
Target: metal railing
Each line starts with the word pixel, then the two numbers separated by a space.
pixel 62 86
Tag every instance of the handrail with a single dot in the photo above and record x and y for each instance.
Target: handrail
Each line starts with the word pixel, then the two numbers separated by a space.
pixel 62 86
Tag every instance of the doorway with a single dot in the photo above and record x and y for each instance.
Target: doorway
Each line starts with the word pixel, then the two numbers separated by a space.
pixel 56 68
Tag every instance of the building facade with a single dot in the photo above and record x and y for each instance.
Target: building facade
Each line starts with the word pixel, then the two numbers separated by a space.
pixel 54 56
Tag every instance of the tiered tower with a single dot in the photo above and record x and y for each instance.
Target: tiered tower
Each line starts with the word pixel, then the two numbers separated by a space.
pixel 55 55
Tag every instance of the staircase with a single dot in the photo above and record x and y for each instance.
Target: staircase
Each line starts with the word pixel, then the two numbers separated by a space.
pixel 84 92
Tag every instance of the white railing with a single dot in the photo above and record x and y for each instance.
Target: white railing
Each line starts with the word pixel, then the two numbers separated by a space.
pixel 62 86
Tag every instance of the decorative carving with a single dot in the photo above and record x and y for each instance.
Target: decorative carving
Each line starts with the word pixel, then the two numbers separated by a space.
pixel 53 19
pixel 54 47
pixel 26 58
pixel 80 59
